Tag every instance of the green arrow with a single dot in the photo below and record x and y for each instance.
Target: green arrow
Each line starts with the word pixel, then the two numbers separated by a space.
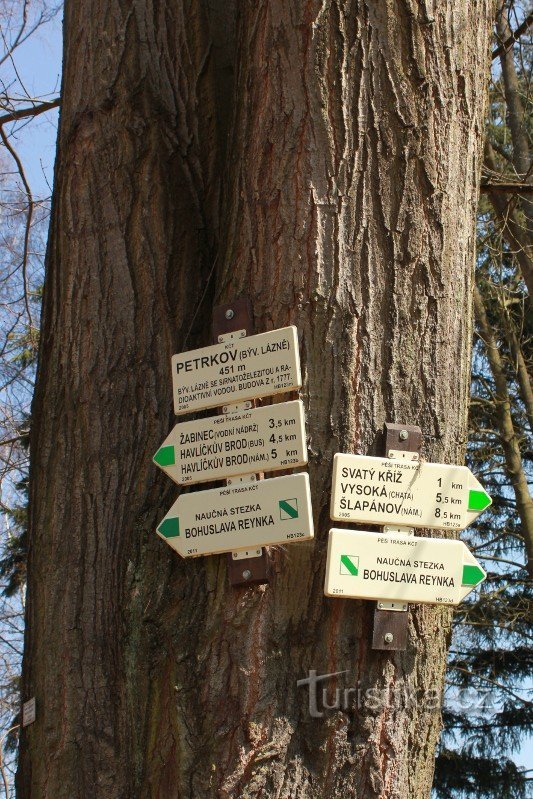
pixel 165 456
pixel 472 575
pixel 478 500
pixel 169 528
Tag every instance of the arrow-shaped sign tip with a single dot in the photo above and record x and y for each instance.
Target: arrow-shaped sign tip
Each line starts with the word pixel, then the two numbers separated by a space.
pixel 478 500
pixel 472 575
pixel 169 528
pixel 165 456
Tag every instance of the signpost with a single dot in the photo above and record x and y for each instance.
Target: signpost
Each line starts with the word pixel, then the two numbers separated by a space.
pixel 236 370
pixel 377 491
pixel 400 567
pixel 244 440
pixel 259 439
pixel 244 516
pixel 393 566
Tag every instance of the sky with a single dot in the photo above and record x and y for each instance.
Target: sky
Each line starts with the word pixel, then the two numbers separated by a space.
pixel 38 63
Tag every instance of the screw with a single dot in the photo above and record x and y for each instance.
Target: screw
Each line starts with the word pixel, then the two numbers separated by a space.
pixel 389 638
pixel 230 313
pixel 224 409
pixel 404 435
pixel 252 477
pixel 246 574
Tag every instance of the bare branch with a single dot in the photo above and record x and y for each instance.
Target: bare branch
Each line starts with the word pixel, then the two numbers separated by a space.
pixel 32 111
pixel 513 38
pixel 511 229
pixel 29 216
pixel 515 188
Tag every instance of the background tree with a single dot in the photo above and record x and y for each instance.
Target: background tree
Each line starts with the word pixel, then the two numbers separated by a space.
pixel 23 223
pixel 490 662
pixel 343 200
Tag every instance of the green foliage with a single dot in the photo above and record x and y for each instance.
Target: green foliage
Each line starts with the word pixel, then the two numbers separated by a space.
pixel 13 560
pixel 14 555
pixel 465 775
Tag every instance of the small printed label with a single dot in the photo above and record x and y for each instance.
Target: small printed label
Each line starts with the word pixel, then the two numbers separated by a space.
pixel 28 712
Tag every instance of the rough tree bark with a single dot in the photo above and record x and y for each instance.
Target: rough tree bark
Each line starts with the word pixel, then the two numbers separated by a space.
pixel 344 202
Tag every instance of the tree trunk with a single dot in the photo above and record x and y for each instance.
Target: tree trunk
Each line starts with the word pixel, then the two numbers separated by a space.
pixel 522 375
pixel 506 429
pixel 517 231
pixel 347 208
pixel 513 229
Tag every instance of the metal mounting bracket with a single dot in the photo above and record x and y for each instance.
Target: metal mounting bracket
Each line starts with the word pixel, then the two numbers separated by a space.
pixel 398 454
pixel 386 604
pixel 247 553
pixel 230 321
pixel 390 618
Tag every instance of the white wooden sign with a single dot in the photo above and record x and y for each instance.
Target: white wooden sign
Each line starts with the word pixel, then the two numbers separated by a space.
pixel 244 516
pixel 406 568
pixel 236 370
pixel 388 491
pixel 29 712
pixel 260 439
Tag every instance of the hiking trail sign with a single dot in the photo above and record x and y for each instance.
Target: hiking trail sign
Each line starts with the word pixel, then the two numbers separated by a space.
pixel 236 370
pixel 248 513
pixel 255 440
pixel 399 567
pixel 370 490
pixel 244 516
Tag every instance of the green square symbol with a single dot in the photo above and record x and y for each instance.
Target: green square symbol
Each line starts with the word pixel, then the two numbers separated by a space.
pixel 288 509
pixel 349 565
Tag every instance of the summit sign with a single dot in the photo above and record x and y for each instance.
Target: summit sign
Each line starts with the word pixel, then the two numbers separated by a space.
pixel 236 370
